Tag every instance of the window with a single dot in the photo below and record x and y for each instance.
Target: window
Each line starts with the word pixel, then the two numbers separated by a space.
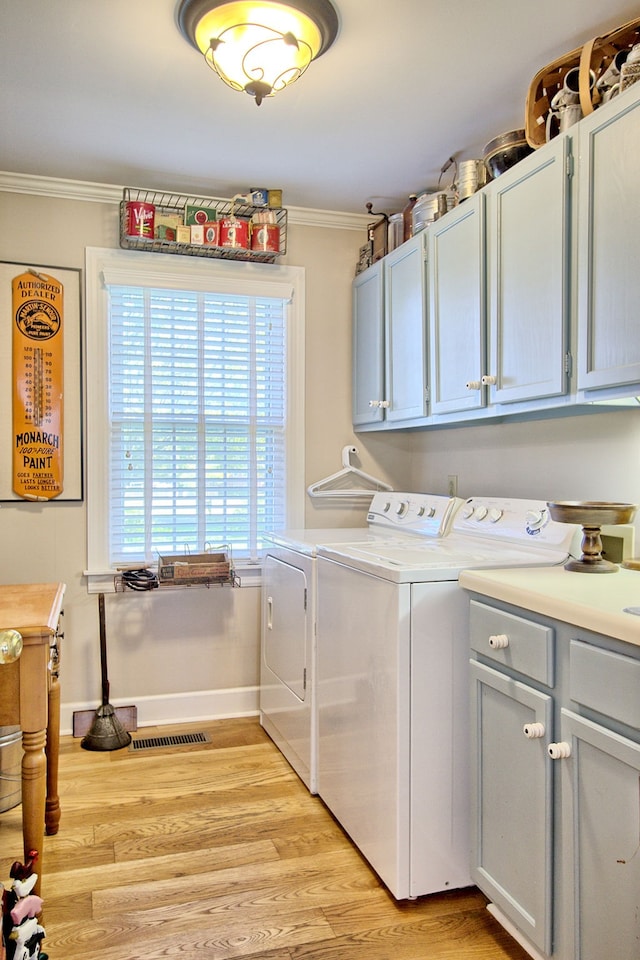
pixel 194 405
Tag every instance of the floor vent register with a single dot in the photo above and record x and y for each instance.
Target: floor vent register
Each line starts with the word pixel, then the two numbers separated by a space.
pixel 177 740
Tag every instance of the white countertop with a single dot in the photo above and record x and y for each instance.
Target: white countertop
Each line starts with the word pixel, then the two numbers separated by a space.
pixel 594 601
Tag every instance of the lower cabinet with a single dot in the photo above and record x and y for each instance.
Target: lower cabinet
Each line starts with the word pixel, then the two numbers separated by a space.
pixel 556 783
pixel 600 808
pixel 511 800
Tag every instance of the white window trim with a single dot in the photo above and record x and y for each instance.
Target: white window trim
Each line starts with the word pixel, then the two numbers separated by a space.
pixel 121 266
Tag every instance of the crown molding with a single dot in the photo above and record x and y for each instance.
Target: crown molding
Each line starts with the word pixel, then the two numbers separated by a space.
pixel 111 193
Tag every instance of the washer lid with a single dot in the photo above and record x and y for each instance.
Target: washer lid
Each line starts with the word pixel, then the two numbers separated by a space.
pixel 427 560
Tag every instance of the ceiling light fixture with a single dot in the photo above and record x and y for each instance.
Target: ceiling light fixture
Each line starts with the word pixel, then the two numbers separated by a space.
pixel 259 46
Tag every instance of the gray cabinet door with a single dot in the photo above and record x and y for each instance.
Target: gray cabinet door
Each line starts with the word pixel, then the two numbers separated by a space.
pixel 511 830
pixel 368 345
pixel 457 309
pixel 528 211
pixel 609 245
pixel 405 344
pixel 601 817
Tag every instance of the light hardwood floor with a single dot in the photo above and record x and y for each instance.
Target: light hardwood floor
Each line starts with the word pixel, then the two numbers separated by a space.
pixel 218 850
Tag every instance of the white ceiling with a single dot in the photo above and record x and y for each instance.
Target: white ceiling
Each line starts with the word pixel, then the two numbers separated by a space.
pixel 109 91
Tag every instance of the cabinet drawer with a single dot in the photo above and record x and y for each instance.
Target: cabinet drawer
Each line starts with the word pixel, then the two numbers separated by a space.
pixel 605 681
pixel 513 641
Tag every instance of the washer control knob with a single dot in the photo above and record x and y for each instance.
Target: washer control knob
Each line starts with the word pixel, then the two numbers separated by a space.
pixel 421 511
pixel 559 751
pixel 402 507
pixel 467 512
pixel 498 641
pixel 431 512
pixel 535 519
pixel 481 513
pixel 494 514
pixel 387 506
pixel 533 731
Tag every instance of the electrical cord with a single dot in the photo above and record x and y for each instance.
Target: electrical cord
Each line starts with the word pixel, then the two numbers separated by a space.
pixel 142 579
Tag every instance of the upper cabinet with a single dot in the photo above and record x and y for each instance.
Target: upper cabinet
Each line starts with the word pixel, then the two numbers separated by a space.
pixel 533 290
pixel 529 274
pixel 389 331
pixel 368 345
pixel 405 331
pixel 457 313
pixel 609 247
pixel 499 283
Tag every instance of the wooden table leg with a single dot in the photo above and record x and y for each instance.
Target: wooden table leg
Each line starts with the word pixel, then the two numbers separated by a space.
pixel 34 782
pixel 52 807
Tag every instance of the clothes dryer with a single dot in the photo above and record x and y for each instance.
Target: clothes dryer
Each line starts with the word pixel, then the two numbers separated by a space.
pixel 288 646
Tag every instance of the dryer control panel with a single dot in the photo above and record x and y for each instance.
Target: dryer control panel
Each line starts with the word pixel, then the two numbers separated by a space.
pixel 423 514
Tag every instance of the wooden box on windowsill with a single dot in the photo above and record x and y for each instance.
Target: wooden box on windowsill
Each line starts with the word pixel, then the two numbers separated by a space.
pixel 185 568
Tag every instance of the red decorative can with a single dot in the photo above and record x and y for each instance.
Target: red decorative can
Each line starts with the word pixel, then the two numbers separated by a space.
pixel 212 233
pixel 234 232
pixel 266 237
pixel 140 219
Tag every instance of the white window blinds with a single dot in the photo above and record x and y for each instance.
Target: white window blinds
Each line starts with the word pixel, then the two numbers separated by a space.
pixel 197 411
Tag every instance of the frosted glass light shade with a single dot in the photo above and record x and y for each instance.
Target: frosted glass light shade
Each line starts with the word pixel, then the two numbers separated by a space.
pixel 259 46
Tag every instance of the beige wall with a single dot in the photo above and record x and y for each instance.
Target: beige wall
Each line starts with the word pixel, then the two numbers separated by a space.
pixel 329 260
pixel 590 457
pixel 195 652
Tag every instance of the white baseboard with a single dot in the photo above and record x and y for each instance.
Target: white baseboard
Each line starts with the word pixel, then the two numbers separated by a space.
pixel 177 707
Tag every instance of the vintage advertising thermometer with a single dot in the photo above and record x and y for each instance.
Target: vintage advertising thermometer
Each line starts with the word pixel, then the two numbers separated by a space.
pixel 38 357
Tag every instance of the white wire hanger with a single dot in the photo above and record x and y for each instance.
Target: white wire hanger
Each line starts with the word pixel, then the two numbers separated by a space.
pixel 340 484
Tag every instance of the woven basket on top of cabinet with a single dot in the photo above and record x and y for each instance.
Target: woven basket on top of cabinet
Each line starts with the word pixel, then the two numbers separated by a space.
pixel 595 55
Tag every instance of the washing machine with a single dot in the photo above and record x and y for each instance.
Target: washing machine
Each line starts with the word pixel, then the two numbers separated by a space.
pixel 288 643
pixel 392 684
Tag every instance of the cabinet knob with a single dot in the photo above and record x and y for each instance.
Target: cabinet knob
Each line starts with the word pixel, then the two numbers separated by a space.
pixel 533 731
pixel 10 646
pixel 374 403
pixel 474 385
pixel 559 751
pixel 498 641
pixel 489 380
